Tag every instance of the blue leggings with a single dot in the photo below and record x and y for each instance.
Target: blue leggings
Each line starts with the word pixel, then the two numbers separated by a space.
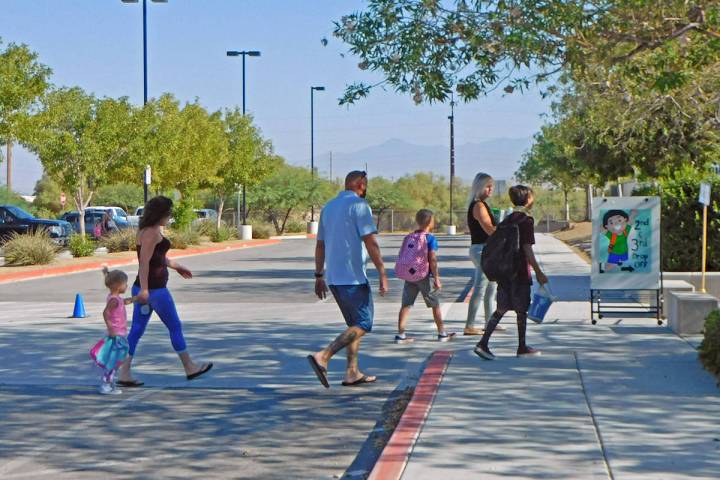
pixel 160 301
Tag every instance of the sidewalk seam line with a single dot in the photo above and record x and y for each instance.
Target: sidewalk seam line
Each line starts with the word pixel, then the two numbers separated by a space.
pixel 596 426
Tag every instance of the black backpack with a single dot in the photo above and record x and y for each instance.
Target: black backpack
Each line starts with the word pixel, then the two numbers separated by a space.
pixel 501 255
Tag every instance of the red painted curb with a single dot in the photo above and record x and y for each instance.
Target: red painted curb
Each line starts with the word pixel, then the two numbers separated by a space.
pixel 395 455
pixel 120 262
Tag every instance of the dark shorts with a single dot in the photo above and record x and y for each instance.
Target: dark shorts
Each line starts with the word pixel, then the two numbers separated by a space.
pixel 513 296
pixel 412 289
pixel 356 305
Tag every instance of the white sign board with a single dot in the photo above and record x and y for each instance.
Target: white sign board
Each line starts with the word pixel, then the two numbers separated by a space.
pixel 704 194
pixel 626 243
pixel 148 175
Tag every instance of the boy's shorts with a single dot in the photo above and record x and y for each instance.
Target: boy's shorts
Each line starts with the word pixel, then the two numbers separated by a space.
pixel 513 296
pixel 411 290
pixel 356 305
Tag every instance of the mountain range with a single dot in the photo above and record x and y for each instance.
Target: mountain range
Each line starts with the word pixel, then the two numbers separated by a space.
pixel 500 157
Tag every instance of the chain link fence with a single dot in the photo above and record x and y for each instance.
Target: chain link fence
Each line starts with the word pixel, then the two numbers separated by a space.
pixel 391 221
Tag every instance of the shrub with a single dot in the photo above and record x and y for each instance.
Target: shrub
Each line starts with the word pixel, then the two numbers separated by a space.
pixel 30 249
pixel 80 246
pixel 262 231
pixel 182 239
pixel 710 346
pixel 120 241
pixel 205 228
pixel 222 234
pixel 681 228
pixel 183 214
pixel 295 227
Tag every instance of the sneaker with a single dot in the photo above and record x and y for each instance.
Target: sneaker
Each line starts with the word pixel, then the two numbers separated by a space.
pixel 401 340
pixel 484 352
pixel 528 352
pixel 108 389
pixel 447 337
pixel 473 331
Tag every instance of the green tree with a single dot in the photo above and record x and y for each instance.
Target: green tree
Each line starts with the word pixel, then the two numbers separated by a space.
pixel 249 157
pixel 82 142
pixel 551 161
pixel 383 195
pixel 23 81
pixel 288 189
pixel 125 195
pixel 184 146
pixel 47 195
pixel 429 48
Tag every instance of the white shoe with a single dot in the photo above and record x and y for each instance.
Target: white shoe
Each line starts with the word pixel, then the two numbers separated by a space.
pixel 109 389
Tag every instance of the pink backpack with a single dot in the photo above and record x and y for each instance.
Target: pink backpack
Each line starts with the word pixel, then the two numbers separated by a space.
pixel 412 264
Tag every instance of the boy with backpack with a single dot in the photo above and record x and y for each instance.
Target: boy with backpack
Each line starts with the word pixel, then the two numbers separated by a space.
pixel 416 262
pixel 507 259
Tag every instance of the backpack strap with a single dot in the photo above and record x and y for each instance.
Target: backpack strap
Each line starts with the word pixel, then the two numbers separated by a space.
pixel 613 241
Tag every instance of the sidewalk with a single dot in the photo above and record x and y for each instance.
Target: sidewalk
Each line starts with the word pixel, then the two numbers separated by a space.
pixel 620 400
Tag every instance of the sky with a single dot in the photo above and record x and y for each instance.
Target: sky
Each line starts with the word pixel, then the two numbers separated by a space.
pixel 97 45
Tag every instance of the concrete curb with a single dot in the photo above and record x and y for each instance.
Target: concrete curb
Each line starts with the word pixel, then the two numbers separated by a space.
pixel 121 262
pixel 395 455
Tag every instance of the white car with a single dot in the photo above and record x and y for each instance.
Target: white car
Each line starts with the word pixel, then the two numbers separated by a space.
pixel 134 220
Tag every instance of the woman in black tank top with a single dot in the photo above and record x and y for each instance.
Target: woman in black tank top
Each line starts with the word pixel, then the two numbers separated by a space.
pixel 150 290
pixel 481 224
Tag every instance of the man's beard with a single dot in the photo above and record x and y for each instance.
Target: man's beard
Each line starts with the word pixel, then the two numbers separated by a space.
pixel 363 194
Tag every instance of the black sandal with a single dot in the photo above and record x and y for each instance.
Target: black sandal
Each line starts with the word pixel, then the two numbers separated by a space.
pixel 202 371
pixel 130 384
pixel 360 381
pixel 319 370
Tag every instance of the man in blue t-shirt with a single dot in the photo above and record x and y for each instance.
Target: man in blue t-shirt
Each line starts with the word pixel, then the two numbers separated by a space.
pixel 346 237
pixel 425 220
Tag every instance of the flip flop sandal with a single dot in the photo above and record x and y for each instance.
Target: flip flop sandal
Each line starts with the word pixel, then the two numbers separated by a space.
pixel 319 370
pixel 202 371
pixel 130 384
pixel 360 381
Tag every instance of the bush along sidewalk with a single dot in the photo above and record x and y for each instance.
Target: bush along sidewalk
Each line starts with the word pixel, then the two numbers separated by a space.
pixel 120 241
pixel 81 246
pixel 710 346
pixel 29 249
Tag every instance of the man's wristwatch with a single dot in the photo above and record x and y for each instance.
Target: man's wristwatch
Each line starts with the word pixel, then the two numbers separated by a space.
pixel 319 275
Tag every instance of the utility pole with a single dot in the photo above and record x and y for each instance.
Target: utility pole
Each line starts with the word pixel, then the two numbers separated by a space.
pixel 331 175
pixel 452 156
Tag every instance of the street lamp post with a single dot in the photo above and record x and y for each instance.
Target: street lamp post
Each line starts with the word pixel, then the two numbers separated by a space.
pixel 451 227
pixel 145 67
pixel 243 54
pixel 312 146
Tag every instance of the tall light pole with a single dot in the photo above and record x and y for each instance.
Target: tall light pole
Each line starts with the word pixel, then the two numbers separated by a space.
pixel 452 161
pixel 145 70
pixel 312 142
pixel 243 54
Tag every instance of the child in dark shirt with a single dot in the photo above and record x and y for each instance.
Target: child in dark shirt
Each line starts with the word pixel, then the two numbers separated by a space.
pixel 515 295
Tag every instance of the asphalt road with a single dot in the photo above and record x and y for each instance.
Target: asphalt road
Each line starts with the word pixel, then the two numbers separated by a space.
pixel 260 413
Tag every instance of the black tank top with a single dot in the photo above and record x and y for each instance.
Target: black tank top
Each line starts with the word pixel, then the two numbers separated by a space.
pixel 477 234
pixel 158 271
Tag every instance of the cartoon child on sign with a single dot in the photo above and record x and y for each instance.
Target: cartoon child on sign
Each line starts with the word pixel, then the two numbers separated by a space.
pixel 617 225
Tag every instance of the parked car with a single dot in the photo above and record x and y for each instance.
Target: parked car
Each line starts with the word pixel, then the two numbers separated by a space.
pixel 91 217
pixel 205 214
pixel 117 215
pixel 135 219
pixel 14 219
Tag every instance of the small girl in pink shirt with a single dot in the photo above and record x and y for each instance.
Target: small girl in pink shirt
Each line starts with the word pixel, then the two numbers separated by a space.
pixel 110 352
